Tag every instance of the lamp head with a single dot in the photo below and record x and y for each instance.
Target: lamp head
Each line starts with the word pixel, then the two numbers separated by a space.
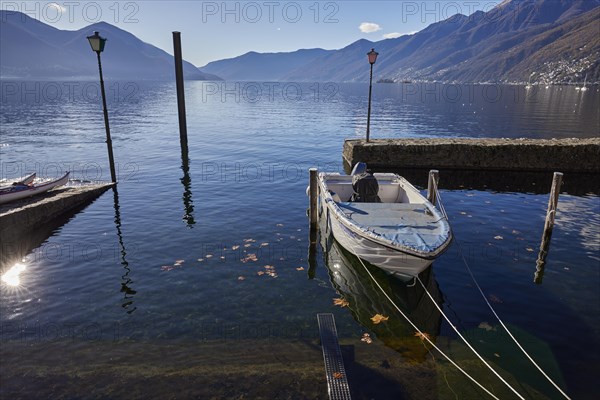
pixel 97 42
pixel 372 56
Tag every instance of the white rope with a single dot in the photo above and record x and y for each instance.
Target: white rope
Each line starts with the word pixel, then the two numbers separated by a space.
pixel 504 326
pixel 467 343
pixel 424 336
pixel 441 206
pixel 438 196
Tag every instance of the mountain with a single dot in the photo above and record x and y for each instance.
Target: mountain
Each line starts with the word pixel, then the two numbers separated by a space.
pixel 255 66
pixel 557 40
pixel 32 49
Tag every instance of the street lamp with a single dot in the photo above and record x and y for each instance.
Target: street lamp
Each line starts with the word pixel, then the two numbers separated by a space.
pixel 97 43
pixel 372 58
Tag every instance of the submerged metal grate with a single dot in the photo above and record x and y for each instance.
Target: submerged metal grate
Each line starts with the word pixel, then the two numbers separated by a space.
pixel 337 381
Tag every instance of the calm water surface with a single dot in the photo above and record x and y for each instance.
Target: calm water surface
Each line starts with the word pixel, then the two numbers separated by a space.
pixel 214 254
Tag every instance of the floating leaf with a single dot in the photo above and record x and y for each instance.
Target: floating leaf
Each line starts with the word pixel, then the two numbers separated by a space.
pixel 341 302
pixel 484 325
pixel 167 267
pixel 249 257
pixel 222 257
pixel 300 269
pixel 241 278
pixel 235 247
pixel 179 262
pixel 264 244
pixel 498 237
pixel 208 256
pixel 529 249
pixel 515 232
pixel 494 299
pixel 463 213
pixel 201 259
pixel 279 225
pixel 259 273
pixel 423 335
pixel 249 240
pixel 378 318
pixel 366 338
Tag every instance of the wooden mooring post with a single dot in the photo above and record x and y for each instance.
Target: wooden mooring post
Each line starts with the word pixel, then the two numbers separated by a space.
pixel 434 178
pixel 313 191
pixel 548 227
pixel 180 90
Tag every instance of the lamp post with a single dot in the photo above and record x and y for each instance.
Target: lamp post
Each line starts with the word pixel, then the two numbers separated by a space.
pixel 372 58
pixel 97 42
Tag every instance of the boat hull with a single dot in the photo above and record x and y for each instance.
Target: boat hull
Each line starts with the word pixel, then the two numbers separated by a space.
pixel 391 260
pixel 9 195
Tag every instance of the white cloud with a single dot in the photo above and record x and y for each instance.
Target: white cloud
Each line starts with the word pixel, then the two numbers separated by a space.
pixel 395 35
pixel 369 27
pixel 57 7
pixel 392 35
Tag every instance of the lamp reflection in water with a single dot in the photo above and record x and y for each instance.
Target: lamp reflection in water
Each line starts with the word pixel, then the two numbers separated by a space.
pixel 125 279
pixel 12 277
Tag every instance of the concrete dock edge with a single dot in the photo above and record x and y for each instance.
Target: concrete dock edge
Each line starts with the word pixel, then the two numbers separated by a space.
pixel 566 155
pixel 28 214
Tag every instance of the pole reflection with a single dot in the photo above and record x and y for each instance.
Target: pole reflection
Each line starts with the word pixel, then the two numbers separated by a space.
pixel 186 180
pixel 126 281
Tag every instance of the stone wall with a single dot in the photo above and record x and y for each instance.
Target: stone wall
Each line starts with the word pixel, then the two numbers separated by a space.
pixel 565 155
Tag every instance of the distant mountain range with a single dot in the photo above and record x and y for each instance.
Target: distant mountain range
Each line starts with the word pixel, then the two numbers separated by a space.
pixel 556 40
pixel 30 49
pixel 542 41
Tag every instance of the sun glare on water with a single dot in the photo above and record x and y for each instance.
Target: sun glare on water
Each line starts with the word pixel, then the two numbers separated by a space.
pixel 12 276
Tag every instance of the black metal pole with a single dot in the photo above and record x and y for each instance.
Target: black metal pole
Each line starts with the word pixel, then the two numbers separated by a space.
pixel 180 89
pixel 369 112
pixel 111 159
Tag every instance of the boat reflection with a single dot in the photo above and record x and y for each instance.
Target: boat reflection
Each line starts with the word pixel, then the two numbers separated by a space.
pixel 365 299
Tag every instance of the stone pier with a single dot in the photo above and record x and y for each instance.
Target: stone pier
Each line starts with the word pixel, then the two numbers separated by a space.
pixel 565 155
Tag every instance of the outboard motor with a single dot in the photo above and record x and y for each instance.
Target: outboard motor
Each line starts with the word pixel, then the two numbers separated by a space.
pixel 366 188
pixel 359 168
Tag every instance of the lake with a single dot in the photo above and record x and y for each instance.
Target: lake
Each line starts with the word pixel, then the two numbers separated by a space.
pixel 193 280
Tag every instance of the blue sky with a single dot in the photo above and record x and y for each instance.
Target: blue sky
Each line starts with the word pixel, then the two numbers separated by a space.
pixel 213 30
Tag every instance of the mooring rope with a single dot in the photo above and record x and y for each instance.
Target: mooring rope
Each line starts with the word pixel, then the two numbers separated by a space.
pixel 490 306
pixel 504 326
pixel 467 343
pixel 421 334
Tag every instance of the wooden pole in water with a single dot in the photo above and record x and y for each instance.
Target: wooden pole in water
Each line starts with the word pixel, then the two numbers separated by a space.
pixel 313 191
pixel 553 201
pixel 180 90
pixel 432 183
pixel 548 227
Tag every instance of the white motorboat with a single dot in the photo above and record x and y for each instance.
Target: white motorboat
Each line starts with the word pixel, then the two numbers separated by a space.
pixel 393 227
